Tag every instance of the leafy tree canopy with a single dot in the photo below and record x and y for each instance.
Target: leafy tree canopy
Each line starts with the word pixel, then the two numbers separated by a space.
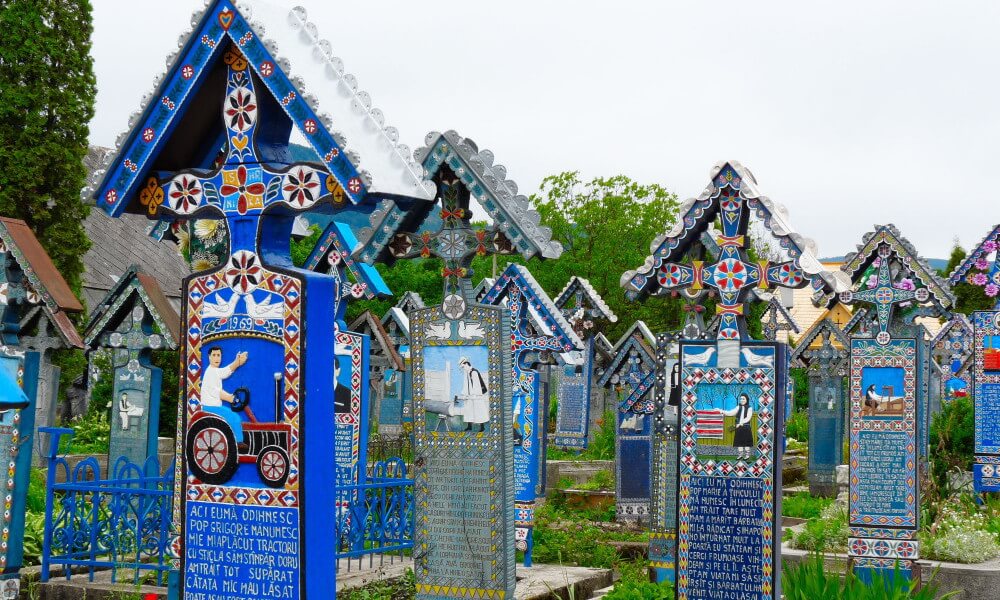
pixel 605 226
pixel 47 90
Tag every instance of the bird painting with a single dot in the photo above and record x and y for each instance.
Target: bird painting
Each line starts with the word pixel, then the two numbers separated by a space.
pixel 471 331
pixel 439 331
pixel 264 309
pixel 219 308
pixel 699 358
pixel 757 360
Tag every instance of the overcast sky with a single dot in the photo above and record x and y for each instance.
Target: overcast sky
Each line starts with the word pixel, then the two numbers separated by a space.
pixel 850 113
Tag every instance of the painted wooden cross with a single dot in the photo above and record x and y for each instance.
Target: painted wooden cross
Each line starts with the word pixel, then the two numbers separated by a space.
pixel 732 276
pixel 15 290
pixel 244 185
pixel 455 242
pixel 583 308
pixel 527 302
pixel 133 320
pixel 252 312
pixel 777 319
pixel 885 296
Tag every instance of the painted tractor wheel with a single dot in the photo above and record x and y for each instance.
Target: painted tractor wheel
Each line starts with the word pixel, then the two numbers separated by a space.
pixel 211 450
pixel 272 466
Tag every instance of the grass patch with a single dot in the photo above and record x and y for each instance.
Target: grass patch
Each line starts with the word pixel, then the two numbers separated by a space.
pixel 804 506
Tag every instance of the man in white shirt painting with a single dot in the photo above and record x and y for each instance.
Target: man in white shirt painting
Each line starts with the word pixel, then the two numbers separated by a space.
pixel 214 399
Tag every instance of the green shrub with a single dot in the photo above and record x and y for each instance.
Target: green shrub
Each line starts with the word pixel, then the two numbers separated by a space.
pixel 92 434
pixel 601 448
pixel 35 501
pixel 601 480
pixel 952 436
pixel 808 580
pixel 828 533
pixel 569 537
pixel 804 506
pixel 400 588
pixel 800 387
pixel 565 483
pixel 641 590
pixel 34 531
pixel 797 426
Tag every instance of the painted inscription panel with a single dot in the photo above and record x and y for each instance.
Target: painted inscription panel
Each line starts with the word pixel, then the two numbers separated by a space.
pixel 241 434
pixel 573 411
pixel 986 377
pixel 464 541
pixel 731 405
pixel 883 469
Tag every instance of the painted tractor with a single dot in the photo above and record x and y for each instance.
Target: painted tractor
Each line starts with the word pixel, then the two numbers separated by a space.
pixel 213 453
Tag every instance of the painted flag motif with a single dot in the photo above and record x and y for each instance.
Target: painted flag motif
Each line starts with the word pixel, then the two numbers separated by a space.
pixel 710 424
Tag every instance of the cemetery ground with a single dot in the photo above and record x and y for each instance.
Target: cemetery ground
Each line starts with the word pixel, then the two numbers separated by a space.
pixel 572 532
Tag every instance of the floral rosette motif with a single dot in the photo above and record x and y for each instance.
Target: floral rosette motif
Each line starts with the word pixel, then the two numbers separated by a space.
pixel 301 187
pixel 185 194
pixel 244 272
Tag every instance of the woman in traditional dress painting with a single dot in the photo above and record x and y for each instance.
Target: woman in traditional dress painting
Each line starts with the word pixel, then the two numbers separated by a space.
pixel 743 436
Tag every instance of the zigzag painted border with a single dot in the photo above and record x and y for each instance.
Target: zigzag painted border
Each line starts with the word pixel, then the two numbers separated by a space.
pixel 899 353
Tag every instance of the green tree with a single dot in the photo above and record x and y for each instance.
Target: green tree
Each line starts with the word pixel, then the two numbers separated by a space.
pixel 47 90
pixel 605 226
pixel 968 297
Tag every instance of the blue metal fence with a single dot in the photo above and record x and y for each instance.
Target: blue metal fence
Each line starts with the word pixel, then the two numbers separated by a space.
pixel 377 517
pixel 121 522
pixel 124 521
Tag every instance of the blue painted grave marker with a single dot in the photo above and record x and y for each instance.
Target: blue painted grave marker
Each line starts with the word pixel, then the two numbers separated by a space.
pixel 889 395
pixel 465 532
pixel 584 309
pixel 732 390
pixel 630 376
pixel 986 375
pixel 449 426
pixel 259 414
pixel 31 291
pixel 824 350
pixel 884 495
pixel 538 332
pixel 663 509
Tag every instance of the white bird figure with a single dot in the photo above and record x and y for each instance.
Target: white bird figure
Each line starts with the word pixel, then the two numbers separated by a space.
pixel 470 331
pixel 219 308
pixel 699 358
pixel 264 309
pixel 441 331
pixel 756 360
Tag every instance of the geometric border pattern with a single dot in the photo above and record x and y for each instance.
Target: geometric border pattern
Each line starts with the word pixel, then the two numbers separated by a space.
pixel 493 445
pixel 290 288
pixel 985 323
pixel 987 459
pixel 899 353
pixel 690 464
